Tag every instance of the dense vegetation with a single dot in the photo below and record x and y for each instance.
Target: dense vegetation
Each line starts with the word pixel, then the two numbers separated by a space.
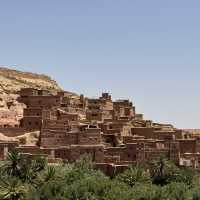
pixel 32 179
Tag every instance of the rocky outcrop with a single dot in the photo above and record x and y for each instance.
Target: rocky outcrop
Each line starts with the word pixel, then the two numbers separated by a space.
pixel 11 81
pixel 11 111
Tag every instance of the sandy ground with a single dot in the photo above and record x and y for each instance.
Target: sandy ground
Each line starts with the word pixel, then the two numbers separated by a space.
pixel 27 139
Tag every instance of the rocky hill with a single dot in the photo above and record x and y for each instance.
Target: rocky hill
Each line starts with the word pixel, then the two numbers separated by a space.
pixel 11 81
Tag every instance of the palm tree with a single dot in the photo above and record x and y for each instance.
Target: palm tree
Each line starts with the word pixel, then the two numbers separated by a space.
pixel 134 175
pixel 11 189
pixel 38 164
pixel 163 171
pixel 31 168
pixel 50 174
pixel 12 168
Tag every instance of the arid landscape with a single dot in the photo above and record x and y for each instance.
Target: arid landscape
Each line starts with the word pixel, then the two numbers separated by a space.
pixel 38 117
pixel 56 144
pixel 99 100
pixel 11 111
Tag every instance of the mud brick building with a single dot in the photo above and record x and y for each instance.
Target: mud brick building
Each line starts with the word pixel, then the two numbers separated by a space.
pixel 36 101
pixel 5 147
pixel 123 108
pixel 110 132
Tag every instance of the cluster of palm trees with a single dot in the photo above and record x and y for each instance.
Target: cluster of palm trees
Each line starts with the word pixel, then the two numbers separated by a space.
pixel 30 178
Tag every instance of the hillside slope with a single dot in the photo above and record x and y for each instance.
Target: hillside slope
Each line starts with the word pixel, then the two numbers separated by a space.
pixel 11 81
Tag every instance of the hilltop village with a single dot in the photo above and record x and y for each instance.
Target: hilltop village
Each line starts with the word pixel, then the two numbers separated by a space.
pixel 110 132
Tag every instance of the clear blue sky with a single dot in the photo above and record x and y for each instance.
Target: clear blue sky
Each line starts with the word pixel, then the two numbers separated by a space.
pixel 145 50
